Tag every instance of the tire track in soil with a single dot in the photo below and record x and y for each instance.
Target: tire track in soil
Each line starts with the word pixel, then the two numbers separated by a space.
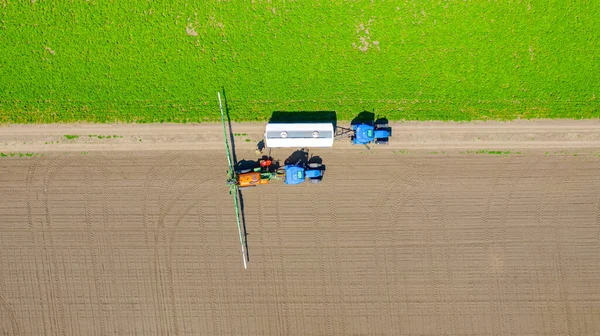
pixel 481 304
pixel 7 191
pixel 598 217
pixel 543 251
pixel 211 284
pixel 152 175
pixel 413 185
pixel 7 174
pixel 367 300
pixel 441 207
pixel 108 244
pixel 490 249
pixel 208 259
pixel 282 316
pixel 202 228
pixel 428 223
pixel 415 200
pixel 56 305
pixel 378 216
pixel 91 189
pixel 11 317
pixel 336 255
pixel 396 214
pixel 100 291
pixel 31 170
pixel 272 326
pixel 560 200
pixel 226 279
pixel 213 292
pixel 513 182
pixel 586 328
pixel 426 184
pixel 160 234
pixel 168 234
pixel 394 204
pixel 171 238
pixel 282 321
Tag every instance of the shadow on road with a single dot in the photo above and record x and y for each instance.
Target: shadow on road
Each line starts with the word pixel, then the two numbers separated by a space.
pixel 298 157
pixel 364 117
pixel 292 117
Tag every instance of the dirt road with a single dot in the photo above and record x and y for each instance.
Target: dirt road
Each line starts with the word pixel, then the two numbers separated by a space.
pixel 524 134
pixel 121 237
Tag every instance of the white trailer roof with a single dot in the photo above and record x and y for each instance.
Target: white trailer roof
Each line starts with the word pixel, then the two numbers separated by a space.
pixel 299 135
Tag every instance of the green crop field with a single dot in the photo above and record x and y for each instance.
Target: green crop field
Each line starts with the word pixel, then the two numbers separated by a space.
pixel 164 61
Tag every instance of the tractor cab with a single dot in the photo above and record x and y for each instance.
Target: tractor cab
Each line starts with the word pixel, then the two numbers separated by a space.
pixel 294 174
pixel 298 173
pixel 365 134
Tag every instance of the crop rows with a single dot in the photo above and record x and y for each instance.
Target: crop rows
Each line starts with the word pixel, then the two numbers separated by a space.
pixel 140 61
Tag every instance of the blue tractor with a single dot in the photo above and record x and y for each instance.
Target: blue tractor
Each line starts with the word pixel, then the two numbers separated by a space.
pixel 299 172
pixel 364 133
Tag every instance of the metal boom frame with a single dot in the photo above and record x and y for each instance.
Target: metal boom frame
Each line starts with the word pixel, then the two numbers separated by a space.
pixel 233 187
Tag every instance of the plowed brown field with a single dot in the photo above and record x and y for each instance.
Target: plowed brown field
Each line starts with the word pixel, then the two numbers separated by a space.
pixel 392 242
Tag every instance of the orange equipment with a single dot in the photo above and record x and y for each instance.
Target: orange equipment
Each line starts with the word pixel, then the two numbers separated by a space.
pixel 260 175
pixel 252 179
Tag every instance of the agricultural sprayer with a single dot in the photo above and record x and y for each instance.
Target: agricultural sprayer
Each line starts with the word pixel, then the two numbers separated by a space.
pixel 232 181
pixel 263 172
pixel 364 130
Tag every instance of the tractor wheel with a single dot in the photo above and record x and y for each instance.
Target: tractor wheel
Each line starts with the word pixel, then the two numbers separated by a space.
pixel 316 181
pixel 314 165
pixel 244 171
